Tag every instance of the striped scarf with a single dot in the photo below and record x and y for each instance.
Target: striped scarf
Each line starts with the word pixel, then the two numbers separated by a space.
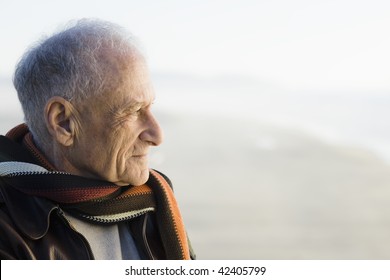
pixel 99 201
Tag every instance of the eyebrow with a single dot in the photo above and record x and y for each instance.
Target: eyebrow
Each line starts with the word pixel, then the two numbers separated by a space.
pixel 129 106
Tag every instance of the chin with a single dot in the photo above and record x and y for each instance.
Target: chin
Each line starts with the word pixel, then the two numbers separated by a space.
pixel 137 180
pixel 143 178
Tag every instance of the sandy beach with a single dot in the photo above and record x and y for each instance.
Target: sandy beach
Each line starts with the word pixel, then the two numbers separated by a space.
pixel 251 191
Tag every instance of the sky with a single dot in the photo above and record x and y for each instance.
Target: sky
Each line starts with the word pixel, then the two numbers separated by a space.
pixel 328 45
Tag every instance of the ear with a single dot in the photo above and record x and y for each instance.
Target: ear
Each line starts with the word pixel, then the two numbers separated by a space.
pixel 60 120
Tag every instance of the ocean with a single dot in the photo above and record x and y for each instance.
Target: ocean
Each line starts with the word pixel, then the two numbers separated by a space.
pixel 356 118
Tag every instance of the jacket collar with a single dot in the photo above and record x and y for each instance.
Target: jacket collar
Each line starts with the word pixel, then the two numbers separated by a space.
pixel 30 214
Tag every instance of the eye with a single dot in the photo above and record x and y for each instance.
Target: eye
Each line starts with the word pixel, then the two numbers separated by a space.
pixel 139 111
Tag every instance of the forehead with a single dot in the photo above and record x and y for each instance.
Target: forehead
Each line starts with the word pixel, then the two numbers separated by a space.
pixel 131 84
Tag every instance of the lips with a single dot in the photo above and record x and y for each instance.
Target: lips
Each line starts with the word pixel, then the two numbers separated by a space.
pixel 140 156
pixel 141 153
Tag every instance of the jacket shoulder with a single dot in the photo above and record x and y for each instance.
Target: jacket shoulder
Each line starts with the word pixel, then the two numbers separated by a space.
pixel 13 151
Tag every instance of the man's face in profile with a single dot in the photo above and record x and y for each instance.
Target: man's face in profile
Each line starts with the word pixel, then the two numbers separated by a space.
pixel 118 128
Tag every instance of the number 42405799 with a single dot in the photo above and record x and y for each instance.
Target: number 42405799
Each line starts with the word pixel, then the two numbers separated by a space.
pixel 245 270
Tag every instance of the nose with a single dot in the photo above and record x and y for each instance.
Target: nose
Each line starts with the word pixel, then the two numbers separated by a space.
pixel 152 133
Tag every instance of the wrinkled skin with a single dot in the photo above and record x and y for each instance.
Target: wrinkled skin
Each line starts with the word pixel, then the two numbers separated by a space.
pixel 112 133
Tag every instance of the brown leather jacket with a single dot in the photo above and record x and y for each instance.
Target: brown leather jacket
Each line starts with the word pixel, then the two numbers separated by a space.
pixel 36 228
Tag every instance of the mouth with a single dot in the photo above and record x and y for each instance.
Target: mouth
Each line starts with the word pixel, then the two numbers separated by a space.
pixel 140 156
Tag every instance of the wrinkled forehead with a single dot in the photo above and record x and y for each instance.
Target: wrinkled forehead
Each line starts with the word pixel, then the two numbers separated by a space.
pixel 117 62
pixel 128 81
pixel 123 69
pixel 135 78
pixel 125 80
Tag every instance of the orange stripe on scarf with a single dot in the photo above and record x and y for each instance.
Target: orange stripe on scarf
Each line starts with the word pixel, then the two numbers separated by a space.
pixel 136 190
pixel 181 234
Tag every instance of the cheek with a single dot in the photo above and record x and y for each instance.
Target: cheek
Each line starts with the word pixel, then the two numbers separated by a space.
pixel 116 148
pixel 122 150
pixel 122 157
pixel 96 150
pixel 94 156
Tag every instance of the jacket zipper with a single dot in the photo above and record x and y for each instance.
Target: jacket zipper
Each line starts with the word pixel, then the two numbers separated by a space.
pixel 145 237
pixel 86 243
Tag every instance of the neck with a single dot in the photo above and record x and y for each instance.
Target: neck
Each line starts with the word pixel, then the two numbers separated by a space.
pixel 42 157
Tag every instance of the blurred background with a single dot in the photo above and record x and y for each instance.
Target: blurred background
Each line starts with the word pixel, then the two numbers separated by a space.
pixel 275 116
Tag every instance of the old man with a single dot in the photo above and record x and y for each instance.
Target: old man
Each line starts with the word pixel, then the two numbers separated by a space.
pixel 75 181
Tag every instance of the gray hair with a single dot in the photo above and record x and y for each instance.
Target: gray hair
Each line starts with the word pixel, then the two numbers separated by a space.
pixel 71 64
